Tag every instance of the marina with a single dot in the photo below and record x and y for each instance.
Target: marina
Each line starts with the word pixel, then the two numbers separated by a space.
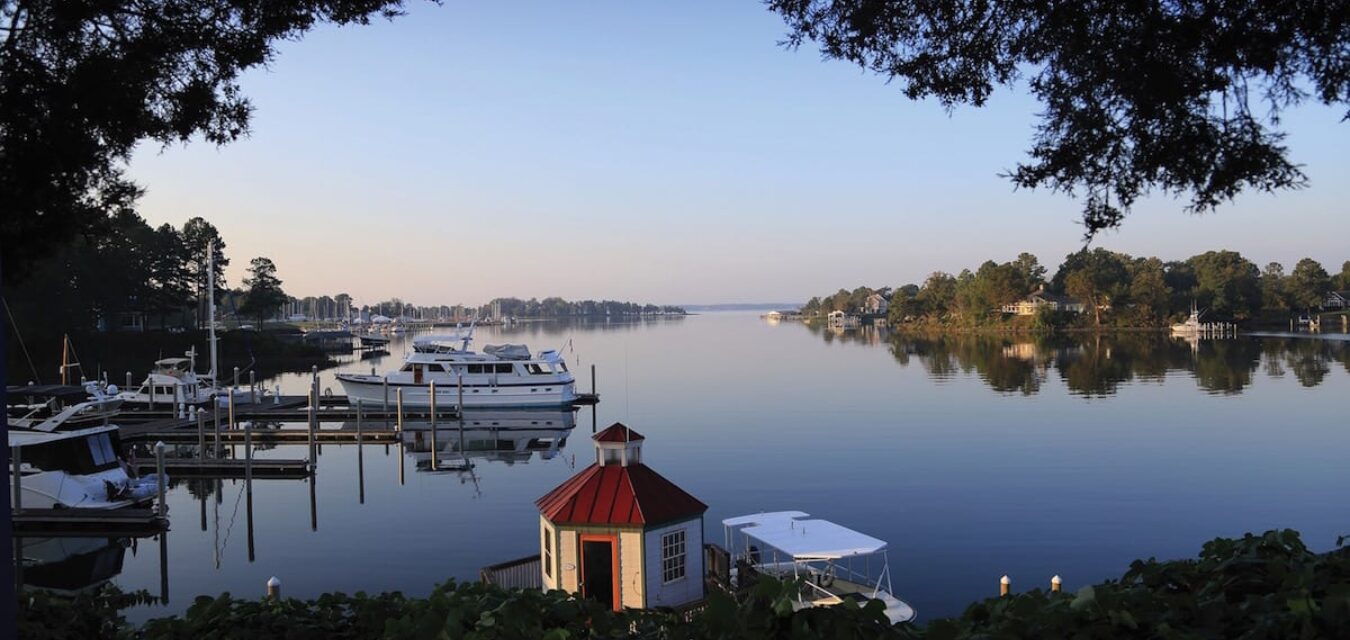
pixel 1030 512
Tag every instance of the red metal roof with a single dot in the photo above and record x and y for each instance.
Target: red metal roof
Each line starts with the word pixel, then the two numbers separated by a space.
pixel 631 495
pixel 617 432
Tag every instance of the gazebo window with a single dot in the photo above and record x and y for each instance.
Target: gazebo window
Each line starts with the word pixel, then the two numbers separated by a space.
pixel 672 556
pixel 613 456
pixel 548 554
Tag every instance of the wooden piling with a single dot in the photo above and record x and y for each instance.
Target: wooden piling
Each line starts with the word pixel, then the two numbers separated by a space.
pixel 236 378
pixel 201 435
pixel 252 387
pixel 16 458
pixel 432 389
pixel 1056 584
pixel 386 402
pixel 274 588
pixel 159 477
pixel 248 456
pixel 1004 586
pixel 592 379
pixel 128 382
pixel 398 403
pixel 230 423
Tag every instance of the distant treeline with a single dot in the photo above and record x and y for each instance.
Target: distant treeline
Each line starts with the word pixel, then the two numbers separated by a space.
pixel 559 308
pixel 1113 289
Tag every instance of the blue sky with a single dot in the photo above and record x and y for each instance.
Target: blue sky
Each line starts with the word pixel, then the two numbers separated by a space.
pixel 668 153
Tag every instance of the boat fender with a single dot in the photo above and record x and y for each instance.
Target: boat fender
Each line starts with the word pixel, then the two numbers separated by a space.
pixel 824 579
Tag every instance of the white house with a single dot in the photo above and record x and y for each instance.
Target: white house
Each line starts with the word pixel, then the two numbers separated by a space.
pixel 876 304
pixel 1337 300
pixel 1033 303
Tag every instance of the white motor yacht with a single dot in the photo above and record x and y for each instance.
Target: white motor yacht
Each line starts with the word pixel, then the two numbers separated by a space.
pixel 502 376
pixel 174 382
pixel 837 563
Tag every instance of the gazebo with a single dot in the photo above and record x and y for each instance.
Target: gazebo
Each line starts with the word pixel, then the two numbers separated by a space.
pixel 620 533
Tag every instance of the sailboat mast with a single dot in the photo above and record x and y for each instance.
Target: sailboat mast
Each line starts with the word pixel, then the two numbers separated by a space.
pixel 211 302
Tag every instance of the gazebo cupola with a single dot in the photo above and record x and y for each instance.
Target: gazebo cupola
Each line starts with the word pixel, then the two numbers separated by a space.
pixel 618 445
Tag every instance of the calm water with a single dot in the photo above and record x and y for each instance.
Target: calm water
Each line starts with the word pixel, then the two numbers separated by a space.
pixel 972 457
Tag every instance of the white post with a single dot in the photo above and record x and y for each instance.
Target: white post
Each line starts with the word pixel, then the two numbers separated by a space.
pixel 433 425
pixel 1056 584
pixel 274 588
pixel 276 394
pixel 1004 586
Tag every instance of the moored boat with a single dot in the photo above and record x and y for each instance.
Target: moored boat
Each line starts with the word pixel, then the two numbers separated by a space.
pixel 837 563
pixel 501 376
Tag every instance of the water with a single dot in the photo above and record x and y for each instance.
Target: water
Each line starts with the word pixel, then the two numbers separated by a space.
pixel 974 457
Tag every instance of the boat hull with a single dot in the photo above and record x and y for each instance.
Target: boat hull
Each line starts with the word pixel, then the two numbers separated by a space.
pixel 370 390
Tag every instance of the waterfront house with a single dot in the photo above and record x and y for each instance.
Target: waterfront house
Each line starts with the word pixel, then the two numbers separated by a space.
pixel 1040 299
pixel 876 304
pixel 620 533
pixel 1337 300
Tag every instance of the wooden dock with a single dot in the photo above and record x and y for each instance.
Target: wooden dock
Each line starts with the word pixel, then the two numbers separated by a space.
pixel 228 468
pixel 89 522
pixel 268 436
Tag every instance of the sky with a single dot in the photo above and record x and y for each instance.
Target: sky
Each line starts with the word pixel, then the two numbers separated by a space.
pixel 661 153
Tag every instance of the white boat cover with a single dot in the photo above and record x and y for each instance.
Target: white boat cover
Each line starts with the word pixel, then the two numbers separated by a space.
pixel 508 351
pixel 803 539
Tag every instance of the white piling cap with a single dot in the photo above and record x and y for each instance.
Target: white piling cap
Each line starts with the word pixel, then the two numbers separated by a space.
pixel 1005 580
pixel 274 582
pixel 159 446
pixel 1056 580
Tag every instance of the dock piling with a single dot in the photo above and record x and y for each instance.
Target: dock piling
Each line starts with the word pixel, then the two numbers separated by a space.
pixel 201 434
pixel 274 588
pixel 592 379
pixel 313 422
pixel 276 394
pixel 1056 584
pixel 252 387
pixel 1004 586
pixel 432 390
pixel 128 381
pixel 248 456
pixel 229 424
pixel 398 403
pixel 159 476
pixel 236 377
pixel 386 402
pixel 16 455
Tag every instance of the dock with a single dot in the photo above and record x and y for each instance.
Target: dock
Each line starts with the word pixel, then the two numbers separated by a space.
pixel 229 468
pixel 89 522
pixel 267 436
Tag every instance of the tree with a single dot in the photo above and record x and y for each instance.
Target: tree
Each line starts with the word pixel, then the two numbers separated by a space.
pixel 264 295
pixel 1180 97
pixel 1343 279
pixel 1030 269
pixel 1227 284
pixel 1273 288
pixel 1149 292
pixel 1098 278
pixel 1308 284
pixel 198 237
pixel 169 282
pixel 82 83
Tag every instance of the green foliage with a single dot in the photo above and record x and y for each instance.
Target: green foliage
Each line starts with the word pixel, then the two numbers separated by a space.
pixel 1267 586
pixel 555 307
pixel 264 296
pixel 1308 285
pixel 82 83
pixel 1227 284
pixel 1179 97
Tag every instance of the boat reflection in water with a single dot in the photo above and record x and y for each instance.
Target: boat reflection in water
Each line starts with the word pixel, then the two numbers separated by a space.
pixel 70 566
pixel 509 437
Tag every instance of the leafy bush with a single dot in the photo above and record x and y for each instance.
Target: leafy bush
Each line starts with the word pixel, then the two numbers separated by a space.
pixel 1268 586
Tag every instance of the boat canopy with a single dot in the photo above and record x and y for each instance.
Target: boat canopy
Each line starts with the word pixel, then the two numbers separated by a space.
pixel 508 351
pixel 791 533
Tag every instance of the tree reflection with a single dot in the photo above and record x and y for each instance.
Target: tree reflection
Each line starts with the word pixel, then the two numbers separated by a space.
pixel 1096 365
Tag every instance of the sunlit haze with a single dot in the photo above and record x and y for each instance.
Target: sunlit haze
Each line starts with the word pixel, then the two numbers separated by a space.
pixel 657 153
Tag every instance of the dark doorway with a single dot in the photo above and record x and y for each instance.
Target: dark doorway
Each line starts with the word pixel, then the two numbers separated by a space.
pixel 597 571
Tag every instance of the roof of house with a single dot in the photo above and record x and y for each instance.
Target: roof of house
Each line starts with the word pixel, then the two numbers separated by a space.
pixel 1052 297
pixel 618 495
pixel 617 432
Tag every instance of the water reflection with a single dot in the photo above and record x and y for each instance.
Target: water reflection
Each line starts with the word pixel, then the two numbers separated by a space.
pixel 1096 365
pixel 508 437
pixel 70 566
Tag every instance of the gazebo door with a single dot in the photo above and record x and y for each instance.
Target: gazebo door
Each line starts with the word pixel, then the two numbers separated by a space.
pixel 599 570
